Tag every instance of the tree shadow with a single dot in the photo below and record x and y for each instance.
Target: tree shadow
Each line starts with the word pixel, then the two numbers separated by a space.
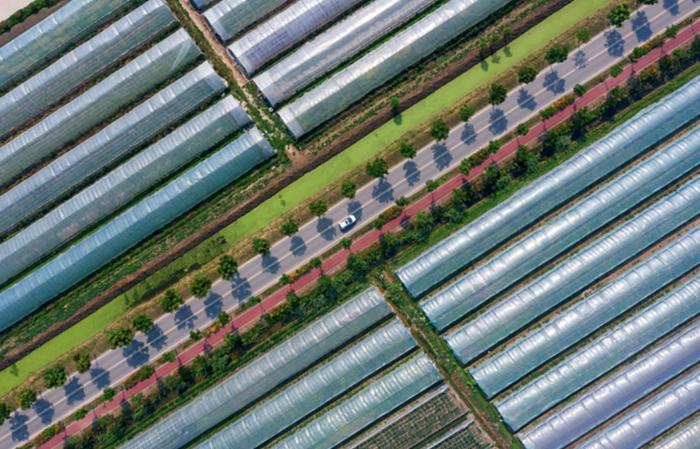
pixel 184 318
pixel 325 228
pixel 355 208
pixel 411 173
pixel 74 391
pixel 671 6
pixel 136 354
pixel 580 59
pixel 213 305
pixel 100 377
pixel 525 100
pixel 18 427
pixel 615 43
pixel 156 338
pixel 641 26
pixel 270 263
pixel 441 156
pixel 469 134
pixel 297 246
pixel 383 192
pixel 553 83
pixel 44 410
pixel 498 121
pixel 240 288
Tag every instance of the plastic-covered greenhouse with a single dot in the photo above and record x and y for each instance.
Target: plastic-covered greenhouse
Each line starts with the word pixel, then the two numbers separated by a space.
pixel 253 381
pixel 615 394
pixel 368 405
pixel 128 84
pixel 201 4
pixel 120 186
pixel 133 225
pixel 571 326
pixel 566 230
pixel 48 38
pixel 559 186
pixel 292 25
pixel 318 387
pixel 335 46
pixel 662 412
pixel 230 17
pixel 575 273
pixel 601 355
pixel 687 437
pixel 39 93
pixel 115 141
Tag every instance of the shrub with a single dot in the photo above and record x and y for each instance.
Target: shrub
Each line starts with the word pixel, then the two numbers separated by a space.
pixel 318 208
pixel 377 168
pixel 348 189
pixel 315 262
pixel 108 394
pixel 431 185
pixel 346 243
pixel 227 267
pixel 466 112
pixel 289 227
pixel 407 150
pixel 556 53
pixel 171 301
pixel 25 398
pixel 55 376
pixel 82 362
pixel 5 412
pixel 439 130
pixel 494 146
pixel 527 74
pixel 261 246
pixel 402 202
pixel 195 334
pixel 522 129
pixel 80 413
pixel 579 90
pixel 638 52
pixel 120 337
pixel 583 35
pixel 223 318
pixel 616 71
pixel 142 323
pixel 465 167
pixel 199 287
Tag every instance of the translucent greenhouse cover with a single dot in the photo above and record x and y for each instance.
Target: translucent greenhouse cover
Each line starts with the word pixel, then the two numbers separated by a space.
pixel 133 225
pixel 574 273
pixel 650 420
pixel 229 17
pixel 109 145
pixel 334 46
pixel 48 38
pixel 560 185
pixel 571 326
pixel 128 84
pixel 120 186
pixel 368 405
pixel 581 220
pixel 642 377
pixel 601 355
pixel 687 437
pixel 201 4
pixel 316 388
pixel 36 95
pixel 253 381
pixel 292 25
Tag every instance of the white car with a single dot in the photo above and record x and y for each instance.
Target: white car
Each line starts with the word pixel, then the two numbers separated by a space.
pixel 346 223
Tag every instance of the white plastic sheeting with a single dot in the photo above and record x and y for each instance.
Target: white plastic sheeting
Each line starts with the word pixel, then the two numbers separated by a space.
pixel 368 405
pixel 590 410
pixel 128 84
pixel 230 17
pixel 109 145
pixel 571 326
pixel 662 412
pixel 687 437
pixel 601 355
pixel 133 225
pixel 120 186
pixel 51 36
pixel 334 46
pixel 575 273
pixel 42 91
pixel 564 231
pixel 318 387
pixel 265 373
pixel 559 186
pixel 292 25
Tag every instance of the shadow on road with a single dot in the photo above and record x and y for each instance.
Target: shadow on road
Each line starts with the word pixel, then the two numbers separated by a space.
pixel 44 410
pixel 100 377
pixel 672 6
pixel 136 354
pixel 411 173
pixel 18 427
pixel 240 288
pixel 553 83
pixel 525 100
pixel 469 134
pixel 74 391
pixel 297 246
pixel 641 26
pixel 499 122
pixel 156 338
pixel 383 192
pixel 441 156
pixel 270 263
pixel 580 59
pixel 325 228
pixel 614 43
pixel 213 305
pixel 184 318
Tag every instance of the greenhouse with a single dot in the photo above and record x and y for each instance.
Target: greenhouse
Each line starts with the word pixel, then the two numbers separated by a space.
pixel 133 225
pixel 38 94
pixel 265 42
pixel 575 273
pixel 367 406
pixel 659 414
pixel 385 62
pixel 335 46
pixel 686 437
pixel 109 145
pixel 230 17
pixel 589 411
pixel 253 381
pixel 365 357
pixel 122 185
pixel 560 185
pixel 567 229
pixel 601 355
pixel 57 32
pixel 202 4
pixel 578 322
pixel 68 123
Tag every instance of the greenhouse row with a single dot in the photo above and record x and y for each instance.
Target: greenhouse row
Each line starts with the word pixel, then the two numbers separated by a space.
pixel 573 325
pixel 253 381
pixel 640 426
pixel 385 62
pixel 590 410
pixel 560 185
pixel 133 225
pixel 77 118
pixel 575 273
pixel 561 233
pixel 333 47
pixel 228 18
pixel 292 25
pixel 122 185
pixel 42 91
pixel 109 145
pixel 596 358
pixel 686 437
pixel 54 34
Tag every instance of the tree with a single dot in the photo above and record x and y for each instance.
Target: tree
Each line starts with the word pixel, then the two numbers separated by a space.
pixel 315 262
pixel 507 33
pixel 223 318
pixel 55 376
pixel 554 142
pixel 583 35
pixel 108 393
pixel 318 208
pixel 26 398
pixel 377 168
pixel 171 301
pixel 619 14
pixel 616 71
pixel 524 161
pixel 465 195
pixel 402 202
pixel 580 121
pixel 289 227
pixel 579 90
pixel 261 246
pixel 466 112
pixel 395 103
pixel 195 334
pixel 431 185
pixel 227 267
pixel 142 323
pixel 82 362
pixel 522 129
pixel 465 166
pixel 5 412
pixel 556 53
pixel 199 287
pixel 439 130
pixel 527 74
pixel 494 146
pixel 346 243
pixel 120 337
pixel 407 150
pixel 494 179
pixel 348 189
pixel 497 94
pixel 695 48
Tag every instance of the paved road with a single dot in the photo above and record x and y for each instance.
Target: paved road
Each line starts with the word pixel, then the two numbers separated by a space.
pixel 317 236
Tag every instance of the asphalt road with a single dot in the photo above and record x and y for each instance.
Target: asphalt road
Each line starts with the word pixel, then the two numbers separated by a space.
pixel 317 236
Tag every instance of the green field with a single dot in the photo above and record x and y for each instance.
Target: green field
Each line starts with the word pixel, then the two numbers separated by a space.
pixel 315 181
